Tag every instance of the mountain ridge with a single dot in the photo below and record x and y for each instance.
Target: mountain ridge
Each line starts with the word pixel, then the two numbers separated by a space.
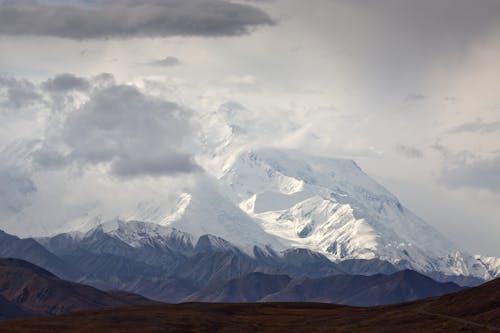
pixel 474 310
pixel 284 199
pixel 354 290
pixel 36 291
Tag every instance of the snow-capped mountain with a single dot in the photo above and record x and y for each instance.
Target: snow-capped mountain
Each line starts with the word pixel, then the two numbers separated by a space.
pixel 202 209
pixel 279 199
pixel 138 234
pixel 206 210
pixel 332 207
pixel 282 199
pixel 492 264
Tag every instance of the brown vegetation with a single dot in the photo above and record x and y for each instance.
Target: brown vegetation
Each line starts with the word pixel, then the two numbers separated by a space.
pixel 472 310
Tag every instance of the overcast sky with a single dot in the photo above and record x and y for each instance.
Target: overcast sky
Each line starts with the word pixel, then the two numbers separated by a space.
pixel 408 89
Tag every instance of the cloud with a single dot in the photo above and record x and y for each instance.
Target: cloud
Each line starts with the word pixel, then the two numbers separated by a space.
pixel 16 188
pixel 465 169
pixel 396 46
pixel 410 152
pixel 66 82
pixel 166 62
pixel 441 149
pixel 128 133
pixel 476 173
pixel 477 126
pixel 15 94
pixel 415 98
pixel 129 18
pixel 241 79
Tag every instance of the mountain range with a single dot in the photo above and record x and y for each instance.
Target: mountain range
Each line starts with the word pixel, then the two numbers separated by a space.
pixel 29 290
pixel 287 225
pixel 357 290
pixel 280 200
pixel 471 310
pixel 261 205
pixel 275 202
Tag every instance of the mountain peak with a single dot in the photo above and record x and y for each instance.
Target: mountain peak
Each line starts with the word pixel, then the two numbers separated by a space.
pixel 330 206
pixel 208 243
pixel 285 199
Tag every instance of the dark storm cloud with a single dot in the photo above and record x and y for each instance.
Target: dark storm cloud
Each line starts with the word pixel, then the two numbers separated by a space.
pixel 120 127
pixel 66 82
pixel 166 62
pixel 478 173
pixel 410 152
pixel 128 18
pixel 477 126
pixel 15 94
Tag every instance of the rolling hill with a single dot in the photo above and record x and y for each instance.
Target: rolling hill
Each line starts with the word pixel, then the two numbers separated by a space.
pixel 471 310
pixel 29 289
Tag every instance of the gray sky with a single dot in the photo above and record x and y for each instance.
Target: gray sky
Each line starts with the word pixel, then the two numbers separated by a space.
pixel 409 89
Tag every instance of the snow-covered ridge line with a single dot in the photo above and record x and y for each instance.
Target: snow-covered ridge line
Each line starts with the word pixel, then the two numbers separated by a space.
pixel 284 199
pixel 339 211
pixel 142 234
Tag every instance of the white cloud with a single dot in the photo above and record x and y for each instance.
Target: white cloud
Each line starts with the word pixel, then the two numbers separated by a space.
pixel 241 79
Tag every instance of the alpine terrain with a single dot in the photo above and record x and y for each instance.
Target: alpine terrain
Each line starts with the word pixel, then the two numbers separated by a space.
pixel 270 201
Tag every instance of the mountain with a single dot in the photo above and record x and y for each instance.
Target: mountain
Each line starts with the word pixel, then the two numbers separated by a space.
pixel 280 200
pixel 471 310
pixel 358 290
pixel 37 291
pixel 207 210
pixel 163 264
pixel 368 267
pixel 30 250
pixel 250 288
pixel 492 264
pixel 136 257
pixel 362 290
pixel 267 203
pixel 145 243
pixel 332 207
pixel 203 209
pixel 479 304
pixel 9 310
